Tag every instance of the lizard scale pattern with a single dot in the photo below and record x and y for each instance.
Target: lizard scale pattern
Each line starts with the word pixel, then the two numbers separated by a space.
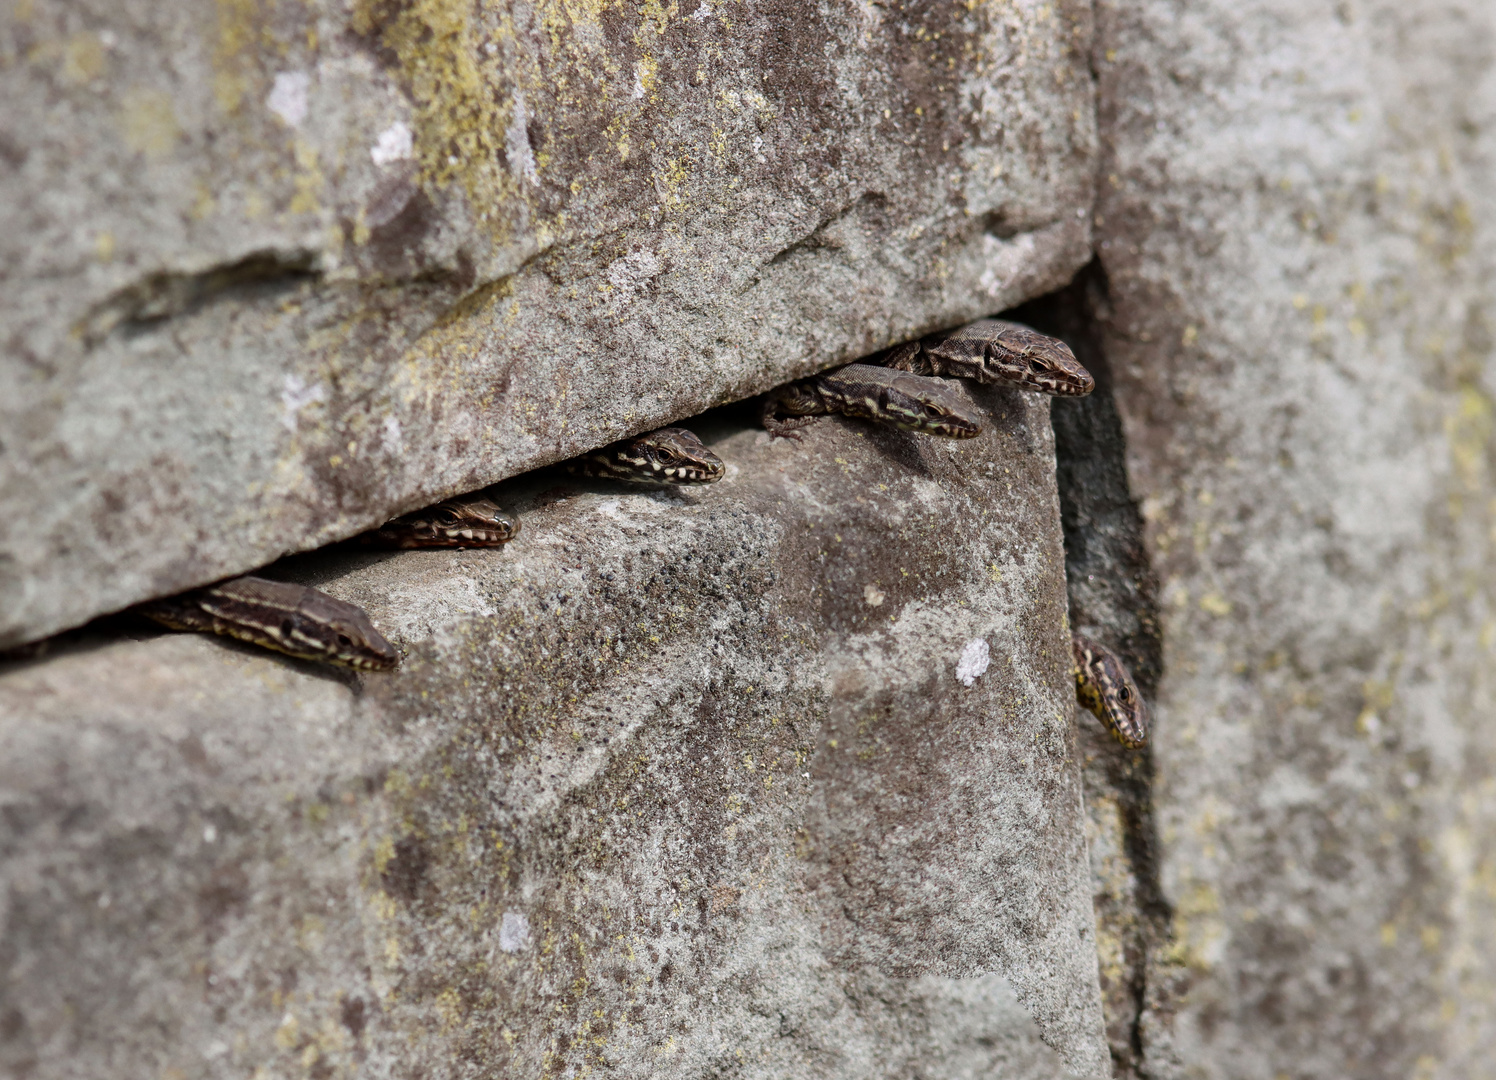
pixel 1104 686
pixel 911 402
pixel 292 619
pixel 993 351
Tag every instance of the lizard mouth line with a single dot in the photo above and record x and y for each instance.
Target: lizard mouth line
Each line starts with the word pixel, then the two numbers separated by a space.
pixel 482 536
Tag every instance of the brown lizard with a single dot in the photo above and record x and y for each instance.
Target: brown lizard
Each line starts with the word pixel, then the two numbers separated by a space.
pixel 912 402
pixel 670 455
pixel 459 523
pixel 994 350
pixel 293 619
pixel 1103 685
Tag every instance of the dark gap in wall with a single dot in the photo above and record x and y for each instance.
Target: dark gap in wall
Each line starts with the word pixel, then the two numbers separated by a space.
pixel 1113 596
pixel 1113 592
pixel 160 296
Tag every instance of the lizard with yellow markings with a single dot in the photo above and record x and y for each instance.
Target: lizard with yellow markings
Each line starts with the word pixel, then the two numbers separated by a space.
pixel 1103 685
pixel 912 402
pixel 995 351
pixel 293 619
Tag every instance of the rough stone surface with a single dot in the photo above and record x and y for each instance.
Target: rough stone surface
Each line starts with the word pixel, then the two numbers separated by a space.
pixel 678 784
pixel 1294 298
pixel 276 272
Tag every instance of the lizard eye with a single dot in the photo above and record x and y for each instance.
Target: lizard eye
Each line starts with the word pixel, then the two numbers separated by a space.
pixel 448 516
pixel 1125 694
pixel 1038 367
pixel 344 639
pixel 666 455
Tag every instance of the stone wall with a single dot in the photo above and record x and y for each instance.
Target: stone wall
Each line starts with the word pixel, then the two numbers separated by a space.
pixel 1293 297
pixel 677 784
pixel 687 784
pixel 278 272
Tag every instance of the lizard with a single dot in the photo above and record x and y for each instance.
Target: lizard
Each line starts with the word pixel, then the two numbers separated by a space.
pixel 455 523
pixel 995 350
pixel 1103 685
pixel 912 402
pixel 671 455
pixel 294 619
pixel 311 625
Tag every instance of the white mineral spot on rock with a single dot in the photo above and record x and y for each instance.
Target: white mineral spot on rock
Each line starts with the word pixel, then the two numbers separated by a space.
pixel 703 12
pixel 517 142
pixel 1006 260
pixel 394 438
pixel 394 144
pixel 296 396
pixel 974 660
pixel 873 595
pixel 287 97
pixel 514 932
pixel 631 273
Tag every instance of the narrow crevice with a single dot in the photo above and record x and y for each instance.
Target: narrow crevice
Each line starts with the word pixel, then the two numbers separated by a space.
pixel 1113 595
pixel 169 293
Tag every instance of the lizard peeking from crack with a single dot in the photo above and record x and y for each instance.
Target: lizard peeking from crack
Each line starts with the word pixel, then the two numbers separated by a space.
pixel 898 386
pixel 995 351
pixel 915 403
pixel 1103 685
pixel 309 624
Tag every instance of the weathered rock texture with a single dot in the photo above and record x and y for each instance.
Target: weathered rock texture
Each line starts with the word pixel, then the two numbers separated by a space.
pixel 678 784
pixel 276 272
pixel 1294 298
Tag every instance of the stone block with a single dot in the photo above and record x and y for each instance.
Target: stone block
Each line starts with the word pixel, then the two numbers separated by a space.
pixel 775 778
pixel 278 273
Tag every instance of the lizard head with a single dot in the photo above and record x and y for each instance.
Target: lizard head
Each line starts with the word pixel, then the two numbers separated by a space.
pixel 293 619
pixel 348 637
pixel 927 405
pixel 1103 685
pixel 454 523
pixel 670 455
pixel 1034 361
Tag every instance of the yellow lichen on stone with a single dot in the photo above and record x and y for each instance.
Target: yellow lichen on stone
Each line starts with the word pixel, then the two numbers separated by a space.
pixel 1468 430
pixel 309 179
pixel 1198 929
pixel 148 122
pixel 461 112
pixel 83 59
pixel 232 54
pixel 646 76
pixel 656 16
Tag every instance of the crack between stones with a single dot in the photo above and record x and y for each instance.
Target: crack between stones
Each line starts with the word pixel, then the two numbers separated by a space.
pixel 1113 595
